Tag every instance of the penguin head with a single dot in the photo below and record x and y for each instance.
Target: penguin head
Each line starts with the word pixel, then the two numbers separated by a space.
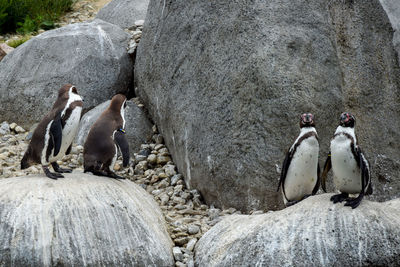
pixel 347 120
pixel 307 120
pixel 67 90
pixel 118 102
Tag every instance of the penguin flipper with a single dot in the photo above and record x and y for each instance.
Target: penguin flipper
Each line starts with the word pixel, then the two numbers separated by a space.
pixel 68 150
pixel 365 172
pixel 327 167
pixel 56 133
pixel 122 143
pixel 285 167
pixel 316 187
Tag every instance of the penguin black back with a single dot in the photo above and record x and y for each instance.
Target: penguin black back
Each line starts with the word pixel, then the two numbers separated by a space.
pixel 105 137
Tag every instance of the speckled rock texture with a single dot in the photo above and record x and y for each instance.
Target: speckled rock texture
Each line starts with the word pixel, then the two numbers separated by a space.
pixel 124 13
pixel 138 127
pixel 314 232
pixel 227 90
pixel 92 56
pixel 81 220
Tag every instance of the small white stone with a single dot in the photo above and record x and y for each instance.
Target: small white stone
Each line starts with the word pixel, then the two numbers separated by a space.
pixel 13 125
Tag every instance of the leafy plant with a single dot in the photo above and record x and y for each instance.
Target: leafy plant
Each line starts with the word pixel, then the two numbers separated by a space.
pixel 27 26
pixel 26 16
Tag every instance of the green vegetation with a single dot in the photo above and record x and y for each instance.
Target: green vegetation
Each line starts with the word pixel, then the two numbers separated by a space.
pixel 25 16
pixel 19 41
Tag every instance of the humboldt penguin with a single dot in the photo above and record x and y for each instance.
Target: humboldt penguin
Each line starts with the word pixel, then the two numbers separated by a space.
pixel 52 138
pixel 300 169
pixel 105 138
pixel 351 169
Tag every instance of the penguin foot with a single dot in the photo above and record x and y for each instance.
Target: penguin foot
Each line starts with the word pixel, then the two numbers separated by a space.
pixel 339 198
pixel 58 169
pixel 291 203
pixel 99 173
pixel 52 175
pixel 114 175
pixel 354 202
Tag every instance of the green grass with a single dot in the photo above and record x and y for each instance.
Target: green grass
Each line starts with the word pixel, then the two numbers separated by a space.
pixel 26 16
pixel 19 41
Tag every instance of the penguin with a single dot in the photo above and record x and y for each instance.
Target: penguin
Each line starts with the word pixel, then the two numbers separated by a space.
pixel 52 138
pixel 300 170
pixel 351 169
pixel 105 138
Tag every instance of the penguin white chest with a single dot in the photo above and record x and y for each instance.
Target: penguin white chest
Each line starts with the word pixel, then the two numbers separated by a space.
pixel 301 177
pixel 69 132
pixel 347 175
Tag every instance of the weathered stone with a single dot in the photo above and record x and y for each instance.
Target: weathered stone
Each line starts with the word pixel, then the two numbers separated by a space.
pixel 5 50
pixel 152 159
pixel 193 229
pixel 124 13
pixel 91 55
pixel 177 253
pixel 19 129
pixel 80 220
pixel 314 232
pixel 226 93
pixel 190 245
pixel 138 127
pixel 161 160
pixel 4 128
pixel 180 241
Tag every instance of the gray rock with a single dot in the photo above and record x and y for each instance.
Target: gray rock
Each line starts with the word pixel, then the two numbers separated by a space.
pixel 178 255
pixel 392 9
pixel 138 127
pixel 175 178
pixel 368 60
pixel 239 74
pixel 190 245
pixel 80 220
pixel 92 56
pixel 193 229
pixel 124 13
pixel 4 128
pixel 314 232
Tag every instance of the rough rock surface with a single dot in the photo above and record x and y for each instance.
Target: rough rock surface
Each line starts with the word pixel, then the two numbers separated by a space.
pixel 124 13
pixel 80 220
pixel 227 90
pixel 138 127
pixel 314 232
pixel 363 35
pixel 392 8
pixel 91 56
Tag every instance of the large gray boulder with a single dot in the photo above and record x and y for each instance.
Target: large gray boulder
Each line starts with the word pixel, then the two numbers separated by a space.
pixel 124 13
pixel 314 232
pixel 363 34
pixel 392 9
pixel 81 220
pixel 92 56
pixel 138 127
pixel 228 88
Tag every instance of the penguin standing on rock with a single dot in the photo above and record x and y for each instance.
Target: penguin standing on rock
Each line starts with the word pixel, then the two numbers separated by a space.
pixel 53 136
pixel 105 138
pixel 351 170
pixel 300 169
